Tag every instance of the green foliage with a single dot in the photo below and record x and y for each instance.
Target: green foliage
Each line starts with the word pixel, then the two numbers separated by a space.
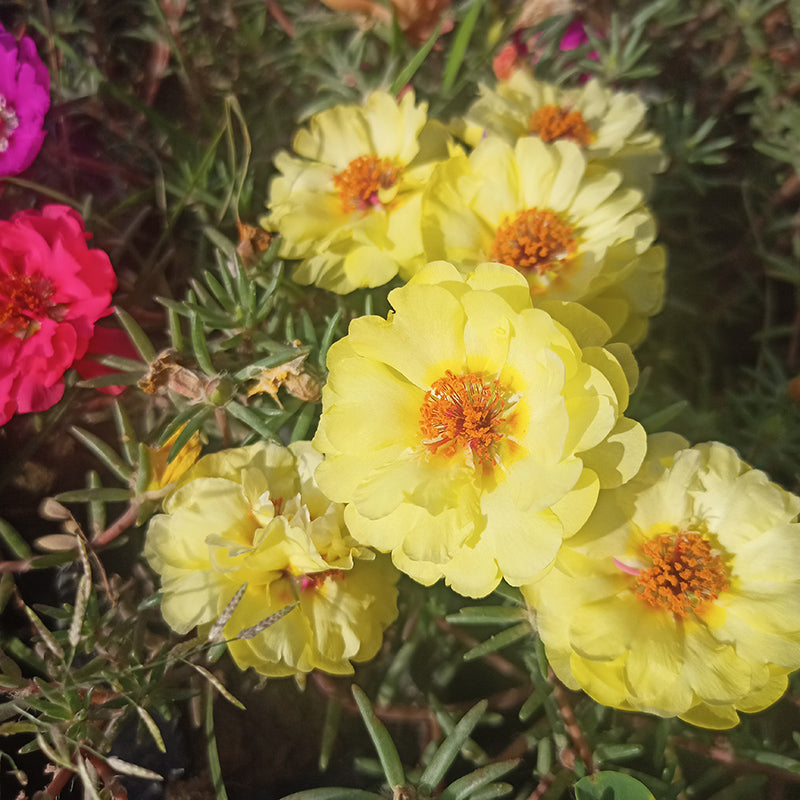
pixel 479 783
pixel 611 786
pixel 92 672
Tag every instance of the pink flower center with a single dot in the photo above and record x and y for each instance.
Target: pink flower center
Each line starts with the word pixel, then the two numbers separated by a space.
pixel 24 300
pixel 9 122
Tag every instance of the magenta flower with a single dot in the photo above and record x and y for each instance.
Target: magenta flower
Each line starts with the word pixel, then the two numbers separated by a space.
pixel 516 53
pixel 24 100
pixel 574 37
pixel 53 289
pixel 104 342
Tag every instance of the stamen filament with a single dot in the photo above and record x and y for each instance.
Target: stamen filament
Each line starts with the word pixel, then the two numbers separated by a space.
pixel 463 413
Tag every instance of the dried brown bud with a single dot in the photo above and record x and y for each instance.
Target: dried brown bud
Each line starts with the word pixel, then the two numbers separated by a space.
pixel 371 11
pixel 252 242
pixel 293 377
pixel 418 18
pixel 166 373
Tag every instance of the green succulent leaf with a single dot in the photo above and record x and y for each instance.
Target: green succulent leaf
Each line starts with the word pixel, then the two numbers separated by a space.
pixel 611 786
pixel 387 752
pixel 450 747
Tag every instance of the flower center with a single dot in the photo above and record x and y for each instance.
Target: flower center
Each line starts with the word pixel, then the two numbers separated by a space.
pixel 363 182
pixel 315 579
pixel 686 576
pixel 534 240
pixel 9 122
pixel 550 123
pixel 463 412
pixel 24 300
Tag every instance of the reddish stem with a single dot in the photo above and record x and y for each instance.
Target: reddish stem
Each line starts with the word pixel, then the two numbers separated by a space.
pixel 107 775
pixel 570 723
pixel 15 566
pixel 280 17
pixel 409 714
pixel 544 784
pixel 119 527
pixel 502 665
pixel 722 753
pixel 59 781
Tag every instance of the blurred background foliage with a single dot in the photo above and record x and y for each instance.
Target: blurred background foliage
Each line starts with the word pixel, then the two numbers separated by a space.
pixel 166 116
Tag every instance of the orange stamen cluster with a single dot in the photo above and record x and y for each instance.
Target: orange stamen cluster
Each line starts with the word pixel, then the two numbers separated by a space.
pixel 463 413
pixel 360 183
pixel 24 300
pixel 685 576
pixel 550 123
pixel 315 579
pixel 534 240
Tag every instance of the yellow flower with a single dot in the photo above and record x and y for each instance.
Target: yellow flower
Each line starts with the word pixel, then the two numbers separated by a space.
pixel 254 517
pixel 469 432
pixel 610 127
pixel 681 594
pixel 568 227
pixel 349 207
pixel 163 473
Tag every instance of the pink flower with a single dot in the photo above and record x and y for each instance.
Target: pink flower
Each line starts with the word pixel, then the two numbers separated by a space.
pixel 24 100
pixel 574 37
pixel 106 341
pixel 506 62
pixel 517 51
pixel 52 291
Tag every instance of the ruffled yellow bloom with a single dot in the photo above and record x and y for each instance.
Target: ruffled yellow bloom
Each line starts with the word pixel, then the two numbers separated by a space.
pixel 254 517
pixel 469 432
pixel 349 207
pixel 681 595
pixel 568 227
pixel 610 127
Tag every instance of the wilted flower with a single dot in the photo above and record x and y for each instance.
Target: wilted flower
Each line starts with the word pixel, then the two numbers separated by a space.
pixel 293 376
pixel 366 9
pixel 24 100
pixel 418 18
pixel 252 521
pixel 568 227
pixel 253 242
pixel 53 289
pixel 610 127
pixel 349 207
pixel 681 594
pixel 469 432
